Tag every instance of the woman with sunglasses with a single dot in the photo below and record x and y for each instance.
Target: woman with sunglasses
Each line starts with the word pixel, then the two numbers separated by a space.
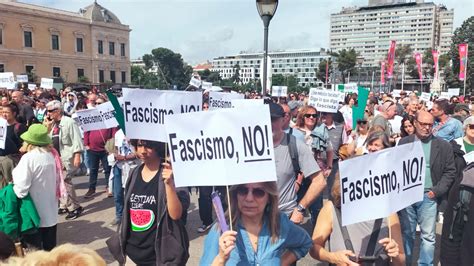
pixel 262 236
pixel 152 201
pixel 467 142
pixel 360 136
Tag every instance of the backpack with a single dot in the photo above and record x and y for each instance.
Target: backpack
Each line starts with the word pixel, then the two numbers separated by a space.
pixel 293 150
pixel 461 208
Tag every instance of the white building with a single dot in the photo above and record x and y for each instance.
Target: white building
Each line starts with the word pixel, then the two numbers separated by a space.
pixel 302 64
pixel 370 29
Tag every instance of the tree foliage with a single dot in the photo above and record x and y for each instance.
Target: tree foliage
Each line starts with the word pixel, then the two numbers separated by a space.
pixel 321 70
pixel 346 61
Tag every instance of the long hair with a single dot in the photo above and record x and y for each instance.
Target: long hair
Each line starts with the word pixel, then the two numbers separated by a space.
pixel 271 210
pixel 300 118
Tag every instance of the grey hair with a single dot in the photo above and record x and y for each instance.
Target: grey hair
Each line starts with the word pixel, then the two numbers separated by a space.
pixel 378 135
pixel 468 121
pixel 54 105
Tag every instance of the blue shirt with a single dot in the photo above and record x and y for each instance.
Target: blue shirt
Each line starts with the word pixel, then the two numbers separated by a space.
pixel 292 238
pixel 452 129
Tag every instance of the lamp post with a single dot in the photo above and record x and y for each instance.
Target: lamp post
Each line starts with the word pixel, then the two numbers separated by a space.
pixel 266 10
pixel 360 60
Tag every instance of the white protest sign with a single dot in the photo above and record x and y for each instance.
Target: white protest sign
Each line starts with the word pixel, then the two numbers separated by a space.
pixel 22 78
pixel 46 83
pixel 107 112
pixel 7 80
pixel 90 119
pixel 453 92
pixel 279 91
pixel 206 85
pixel 244 103
pixel 350 88
pixel 195 82
pixel 396 93
pixel 445 95
pixel 3 132
pixel 469 158
pixel 389 181
pixel 324 100
pixel 227 147
pixel 146 111
pixel 219 100
pixel 32 87
pixel 425 96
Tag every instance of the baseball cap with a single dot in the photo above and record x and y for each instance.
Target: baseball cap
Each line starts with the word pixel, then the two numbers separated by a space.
pixel 276 111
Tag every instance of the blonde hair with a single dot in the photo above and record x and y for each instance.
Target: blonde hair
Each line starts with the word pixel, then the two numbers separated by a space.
pixel 67 254
pixel 27 147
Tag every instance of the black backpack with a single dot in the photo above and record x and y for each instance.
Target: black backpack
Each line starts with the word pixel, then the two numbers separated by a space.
pixel 461 208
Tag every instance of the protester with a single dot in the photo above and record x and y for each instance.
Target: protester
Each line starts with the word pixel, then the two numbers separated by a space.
pixel 40 109
pixel 70 104
pixel 445 127
pixel 376 141
pixel 152 202
pixel 408 126
pixel 346 110
pixel 461 112
pixel 262 236
pixel 25 111
pixel 359 136
pixel 467 142
pixel 13 141
pixel 39 174
pixel 387 112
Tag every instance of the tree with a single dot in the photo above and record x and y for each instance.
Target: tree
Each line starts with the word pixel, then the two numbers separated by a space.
pixel 83 79
pixel 236 77
pixel 278 80
pixel 321 70
pixel 346 61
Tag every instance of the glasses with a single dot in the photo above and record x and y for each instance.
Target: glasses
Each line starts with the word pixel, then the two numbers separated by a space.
pixel 471 126
pixel 425 124
pixel 310 115
pixel 256 192
pixel 362 122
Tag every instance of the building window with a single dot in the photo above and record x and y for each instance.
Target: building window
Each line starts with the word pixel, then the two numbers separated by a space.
pixel 29 71
pixel 2 68
pixel 111 48
pixel 80 73
pixel 112 76
pixel 1 36
pixel 79 45
pixel 100 47
pixel 56 72
pixel 101 76
pixel 122 49
pixel 55 42
pixel 28 38
pixel 124 77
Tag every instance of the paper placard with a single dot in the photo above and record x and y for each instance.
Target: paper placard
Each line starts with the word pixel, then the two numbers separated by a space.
pixel 206 85
pixel 425 96
pixel 7 80
pixel 195 82
pixel 324 100
pixel 46 83
pixel 3 132
pixel 350 88
pixel 453 92
pixel 146 111
pixel 107 112
pixel 32 87
pixel 22 78
pixel 90 119
pixel 236 145
pixel 244 103
pixel 445 95
pixel 279 91
pixel 396 93
pixel 219 100
pixel 390 180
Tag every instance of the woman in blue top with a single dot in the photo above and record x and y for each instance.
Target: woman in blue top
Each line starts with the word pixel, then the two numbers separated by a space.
pixel 263 235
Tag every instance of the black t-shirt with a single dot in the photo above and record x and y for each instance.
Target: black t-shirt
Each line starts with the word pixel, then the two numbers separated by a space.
pixel 13 141
pixel 55 136
pixel 143 204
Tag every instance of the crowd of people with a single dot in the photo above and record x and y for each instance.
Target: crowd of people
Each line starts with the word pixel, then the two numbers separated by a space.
pixel 45 148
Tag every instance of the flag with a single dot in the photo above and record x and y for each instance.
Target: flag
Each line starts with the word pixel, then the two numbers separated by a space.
pixel 382 73
pixel 118 110
pixel 435 62
pixel 462 60
pixel 419 63
pixel 391 59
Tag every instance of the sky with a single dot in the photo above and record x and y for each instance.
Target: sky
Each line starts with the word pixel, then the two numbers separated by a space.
pixel 201 30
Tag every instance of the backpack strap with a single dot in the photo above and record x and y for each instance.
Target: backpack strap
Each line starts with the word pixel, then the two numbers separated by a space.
pixel 373 237
pixel 293 150
pixel 345 233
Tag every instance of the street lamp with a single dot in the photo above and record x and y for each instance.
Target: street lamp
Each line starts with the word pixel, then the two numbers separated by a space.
pixel 360 60
pixel 266 10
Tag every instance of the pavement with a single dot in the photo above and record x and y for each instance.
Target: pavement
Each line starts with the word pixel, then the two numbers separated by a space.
pixel 93 228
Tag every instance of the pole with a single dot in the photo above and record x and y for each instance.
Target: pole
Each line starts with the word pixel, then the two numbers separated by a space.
pixel 403 74
pixel 327 72
pixel 266 22
pixel 372 82
pixel 349 77
pixel 358 76
pixel 465 70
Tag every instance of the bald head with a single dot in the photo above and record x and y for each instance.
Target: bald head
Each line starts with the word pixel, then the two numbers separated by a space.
pixel 423 124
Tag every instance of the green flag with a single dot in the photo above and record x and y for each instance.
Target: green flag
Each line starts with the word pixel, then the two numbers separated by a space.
pixel 118 110
pixel 359 110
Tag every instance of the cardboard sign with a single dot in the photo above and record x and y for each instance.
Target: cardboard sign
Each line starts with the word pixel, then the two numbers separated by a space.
pixel 146 111
pixel 390 180
pixel 7 80
pixel 224 147
pixel 425 96
pixel 453 92
pixel 46 83
pixel 219 100
pixel 3 132
pixel 195 82
pixel 324 100
pixel 244 103
pixel 32 87
pixel 279 91
pixel 22 78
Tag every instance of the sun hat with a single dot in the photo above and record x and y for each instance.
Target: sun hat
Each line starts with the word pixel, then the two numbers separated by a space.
pixel 37 134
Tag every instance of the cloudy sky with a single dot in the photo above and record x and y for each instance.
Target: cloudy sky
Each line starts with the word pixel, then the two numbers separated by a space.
pixel 203 29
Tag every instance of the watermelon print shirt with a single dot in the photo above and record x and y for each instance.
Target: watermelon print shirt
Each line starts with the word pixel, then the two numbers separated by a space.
pixel 143 204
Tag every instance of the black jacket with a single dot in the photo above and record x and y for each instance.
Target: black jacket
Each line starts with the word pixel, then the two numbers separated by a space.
pixel 443 169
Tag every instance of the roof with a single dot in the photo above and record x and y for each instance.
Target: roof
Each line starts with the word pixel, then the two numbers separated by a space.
pixel 96 12
pixel 203 66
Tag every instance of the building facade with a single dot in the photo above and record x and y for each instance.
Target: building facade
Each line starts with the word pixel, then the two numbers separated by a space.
pixel 302 64
pixel 370 29
pixel 91 44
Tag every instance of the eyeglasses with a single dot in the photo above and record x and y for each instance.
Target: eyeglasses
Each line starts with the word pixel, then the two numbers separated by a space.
pixel 310 115
pixel 256 192
pixel 362 122
pixel 471 126
pixel 425 124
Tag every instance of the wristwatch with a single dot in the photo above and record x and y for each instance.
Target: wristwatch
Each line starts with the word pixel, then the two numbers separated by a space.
pixel 300 208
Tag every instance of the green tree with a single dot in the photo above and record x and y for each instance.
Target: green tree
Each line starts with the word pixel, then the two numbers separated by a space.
pixel 83 79
pixel 236 76
pixel 278 80
pixel 292 83
pixel 346 61
pixel 321 70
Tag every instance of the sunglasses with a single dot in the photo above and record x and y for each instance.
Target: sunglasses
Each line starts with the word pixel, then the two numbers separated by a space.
pixel 256 192
pixel 471 126
pixel 310 115
pixel 362 122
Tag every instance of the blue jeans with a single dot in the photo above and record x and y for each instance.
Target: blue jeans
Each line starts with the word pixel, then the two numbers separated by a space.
pixel 118 193
pixel 94 158
pixel 423 213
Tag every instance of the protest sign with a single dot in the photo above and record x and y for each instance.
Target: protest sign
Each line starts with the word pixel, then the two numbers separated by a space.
pixel 3 132
pixel 7 80
pixel 22 78
pixel 425 96
pixel 227 147
pixel 146 111
pixel 32 87
pixel 445 95
pixel 107 112
pixel 90 119
pixel 279 91
pixel 219 100
pixel 206 85
pixel 195 82
pixel 350 88
pixel 453 92
pixel 390 180
pixel 324 100
pixel 244 103
pixel 396 93
pixel 46 83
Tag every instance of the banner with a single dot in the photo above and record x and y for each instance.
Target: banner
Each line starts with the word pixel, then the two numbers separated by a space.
pixel 244 103
pixel 391 59
pixel 107 112
pixel 462 60
pixel 324 100
pixel 279 91
pixel 219 100
pixel 390 180
pixel 425 96
pixel 7 80
pixel 419 64
pixel 90 119
pixel 146 111
pixel 435 63
pixel 3 132
pixel 22 78
pixel 195 82
pixel 382 72
pixel 227 147
pixel 445 95
pixel 46 83
pixel 32 87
